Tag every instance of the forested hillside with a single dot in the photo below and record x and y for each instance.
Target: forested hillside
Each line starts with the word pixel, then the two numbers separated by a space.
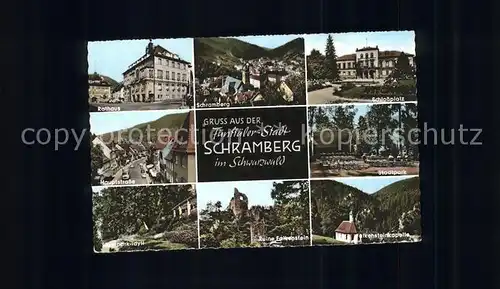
pixel 394 208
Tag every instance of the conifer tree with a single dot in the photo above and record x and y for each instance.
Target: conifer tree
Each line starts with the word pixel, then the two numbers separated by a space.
pixel 331 68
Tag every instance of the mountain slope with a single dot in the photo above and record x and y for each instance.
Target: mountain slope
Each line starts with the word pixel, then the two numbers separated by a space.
pixel 395 207
pixel 289 50
pixel 332 202
pixel 170 121
pixel 398 200
pixel 228 51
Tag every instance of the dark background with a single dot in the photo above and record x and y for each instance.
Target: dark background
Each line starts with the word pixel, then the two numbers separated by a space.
pixel 295 167
pixel 44 84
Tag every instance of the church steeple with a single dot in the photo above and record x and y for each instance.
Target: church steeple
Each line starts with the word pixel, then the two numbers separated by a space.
pixel 351 218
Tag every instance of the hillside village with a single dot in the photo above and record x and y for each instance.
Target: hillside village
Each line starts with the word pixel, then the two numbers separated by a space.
pixel 265 77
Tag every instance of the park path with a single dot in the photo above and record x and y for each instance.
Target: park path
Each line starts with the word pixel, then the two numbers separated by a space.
pixel 325 96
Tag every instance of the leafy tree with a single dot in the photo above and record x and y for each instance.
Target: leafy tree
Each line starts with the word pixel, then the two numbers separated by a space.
pixel 298 85
pixel 128 210
pixel 332 72
pixel 380 118
pixel 96 240
pixel 409 119
pixel 343 117
pixel 357 67
pixel 315 65
pixel 96 160
pixel 363 136
pixel 318 117
pixel 402 69
pixel 397 109
pixel 292 207
pixel 271 93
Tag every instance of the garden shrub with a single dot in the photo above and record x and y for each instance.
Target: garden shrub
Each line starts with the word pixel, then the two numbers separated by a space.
pixel 347 86
pixel 208 241
pixel 186 237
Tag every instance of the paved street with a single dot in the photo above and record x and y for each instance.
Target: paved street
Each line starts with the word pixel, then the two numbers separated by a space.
pixel 134 172
pixel 325 96
pixel 134 106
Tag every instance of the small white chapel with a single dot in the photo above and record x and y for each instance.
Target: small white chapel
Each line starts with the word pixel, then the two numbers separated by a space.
pixel 346 231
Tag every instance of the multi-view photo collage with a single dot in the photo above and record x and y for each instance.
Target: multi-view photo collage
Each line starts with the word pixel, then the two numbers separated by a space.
pixel 255 141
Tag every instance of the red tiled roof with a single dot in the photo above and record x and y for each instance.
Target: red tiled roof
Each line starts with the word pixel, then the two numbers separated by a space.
pixel 346 227
pixel 347 57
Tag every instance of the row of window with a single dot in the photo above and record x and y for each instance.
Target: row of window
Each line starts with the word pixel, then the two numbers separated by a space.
pixel 370 63
pixel 170 63
pixel 159 74
pixel 366 55
pixel 167 88
pixel 352 72
pixel 160 86
pixel 168 96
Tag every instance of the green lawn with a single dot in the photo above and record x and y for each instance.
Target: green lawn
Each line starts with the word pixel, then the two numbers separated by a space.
pixel 152 244
pixel 323 240
pixel 354 92
pixel 411 82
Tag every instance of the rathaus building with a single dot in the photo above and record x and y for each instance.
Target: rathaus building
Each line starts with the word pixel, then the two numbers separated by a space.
pixel 159 75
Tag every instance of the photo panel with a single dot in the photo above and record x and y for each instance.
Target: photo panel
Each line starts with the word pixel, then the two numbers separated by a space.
pixel 252 144
pixel 254 214
pixel 250 71
pixel 152 74
pixel 143 147
pixel 366 210
pixel 144 218
pixel 364 67
pixel 363 140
